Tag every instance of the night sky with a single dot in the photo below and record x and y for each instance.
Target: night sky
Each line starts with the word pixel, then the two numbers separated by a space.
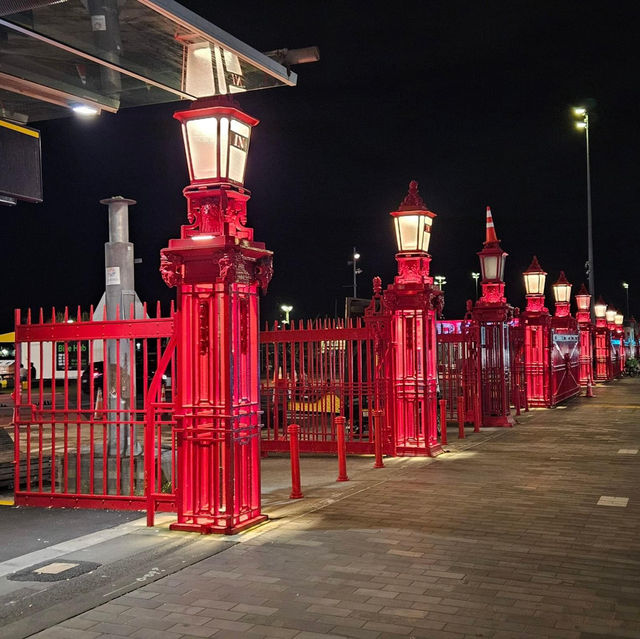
pixel 471 99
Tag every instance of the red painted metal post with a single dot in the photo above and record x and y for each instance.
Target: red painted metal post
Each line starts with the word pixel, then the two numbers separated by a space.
pixel 443 422
pixel 342 449
pixel 294 432
pixel 461 434
pixel 413 301
pixel 517 399
pixel 219 271
pixel 493 315
pixel 377 434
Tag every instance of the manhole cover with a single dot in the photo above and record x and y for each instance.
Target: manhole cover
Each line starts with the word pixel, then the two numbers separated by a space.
pixel 53 571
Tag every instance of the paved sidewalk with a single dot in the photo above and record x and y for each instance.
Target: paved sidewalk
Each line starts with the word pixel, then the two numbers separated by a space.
pixel 502 537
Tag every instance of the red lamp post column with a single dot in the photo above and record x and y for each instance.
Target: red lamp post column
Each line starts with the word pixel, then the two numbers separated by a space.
pixel 585 326
pixel 614 355
pixel 218 270
pixel 537 323
pixel 619 334
pixel 493 315
pixel 603 370
pixel 413 301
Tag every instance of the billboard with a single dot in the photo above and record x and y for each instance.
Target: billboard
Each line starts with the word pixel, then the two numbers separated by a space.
pixel 20 163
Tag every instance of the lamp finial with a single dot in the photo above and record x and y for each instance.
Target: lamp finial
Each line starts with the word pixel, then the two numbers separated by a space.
pixel 412 201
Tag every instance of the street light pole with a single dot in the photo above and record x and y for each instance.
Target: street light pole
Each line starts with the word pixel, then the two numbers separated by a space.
pixel 356 271
pixel 476 276
pixel 584 124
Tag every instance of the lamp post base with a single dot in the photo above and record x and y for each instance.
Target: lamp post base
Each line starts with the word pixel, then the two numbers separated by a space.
pixel 211 528
pixel 502 421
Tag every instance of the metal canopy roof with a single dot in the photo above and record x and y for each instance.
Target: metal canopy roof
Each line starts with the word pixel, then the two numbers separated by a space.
pixel 56 55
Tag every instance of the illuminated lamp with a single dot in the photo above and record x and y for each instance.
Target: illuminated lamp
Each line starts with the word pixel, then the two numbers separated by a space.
pixel 583 300
pixel 534 278
pixel 413 223
pixel 216 141
pixel 619 320
pixel 600 309
pixel 611 315
pixel 492 257
pixel 562 289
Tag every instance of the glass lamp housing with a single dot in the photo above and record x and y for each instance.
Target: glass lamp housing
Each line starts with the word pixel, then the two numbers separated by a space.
pixel 562 289
pixel 413 231
pixel 619 319
pixel 534 279
pixel 600 309
pixel 216 141
pixel 492 265
pixel 583 302
pixel 611 315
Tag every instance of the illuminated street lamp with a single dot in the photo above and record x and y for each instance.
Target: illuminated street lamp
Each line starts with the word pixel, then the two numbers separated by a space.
pixel 286 309
pixel 441 280
pixel 216 141
pixel 600 309
pixel 611 318
pixel 562 295
pixel 534 281
pixel 625 286
pixel 476 277
pixel 586 328
pixel 356 271
pixel 583 123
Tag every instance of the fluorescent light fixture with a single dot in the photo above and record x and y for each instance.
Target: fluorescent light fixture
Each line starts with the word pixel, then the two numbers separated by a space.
pixel 202 237
pixel 84 109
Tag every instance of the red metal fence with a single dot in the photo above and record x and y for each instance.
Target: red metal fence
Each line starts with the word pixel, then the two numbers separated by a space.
pixel 80 423
pixel 459 368
pixel 314 372
pixel 517 366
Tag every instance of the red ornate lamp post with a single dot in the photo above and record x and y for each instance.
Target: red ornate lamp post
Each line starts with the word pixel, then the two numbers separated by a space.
pixel 218 270
pixel 619 334
pixel 562 296
pixel 604 369
pixel 537 322
pixel 413 302
pixel 493 315
pixel 583 300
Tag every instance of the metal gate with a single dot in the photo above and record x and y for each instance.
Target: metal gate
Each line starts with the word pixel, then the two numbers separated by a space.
pixel 517 366
pixel 80 422
pixel 565 365
pixel 312 373
pixel 458 368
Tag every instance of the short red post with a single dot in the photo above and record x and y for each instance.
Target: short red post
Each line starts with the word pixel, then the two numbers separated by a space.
pixel 294 431
pixel 517 399
pixel 377 433
pixel 460 417
pixel 443 421
pixel 589 389
pixel 342 449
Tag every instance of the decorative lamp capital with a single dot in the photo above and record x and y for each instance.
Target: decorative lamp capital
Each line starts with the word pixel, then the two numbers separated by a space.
pixel 413 201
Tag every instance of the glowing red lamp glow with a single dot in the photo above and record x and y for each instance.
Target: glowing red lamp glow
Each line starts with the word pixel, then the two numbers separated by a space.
pixel 413 223
pixel 216 141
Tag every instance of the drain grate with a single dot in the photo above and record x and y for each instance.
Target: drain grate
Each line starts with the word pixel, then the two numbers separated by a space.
pixel 54 571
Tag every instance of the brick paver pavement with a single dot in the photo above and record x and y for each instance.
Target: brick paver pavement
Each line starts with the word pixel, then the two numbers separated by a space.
pixel 503 538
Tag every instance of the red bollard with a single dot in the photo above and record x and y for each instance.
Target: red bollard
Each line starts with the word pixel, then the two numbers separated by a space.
pixel 460 417
pixel 294 431
pixel 443 421
pixel 377 433
pixel 589 389
pixel 342 449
